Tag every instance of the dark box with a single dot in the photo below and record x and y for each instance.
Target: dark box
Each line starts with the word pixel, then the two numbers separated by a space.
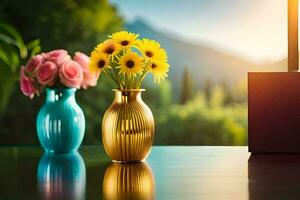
pixel 274 112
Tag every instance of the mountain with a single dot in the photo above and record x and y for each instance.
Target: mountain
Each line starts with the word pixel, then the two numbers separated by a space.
pixel 203 61
pixel 279 66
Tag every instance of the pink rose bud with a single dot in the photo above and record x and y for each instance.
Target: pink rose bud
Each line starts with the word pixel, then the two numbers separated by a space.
pixel 82 59
pixel 34 63
pixel 89 79
pixel 70 74
pixel 57 56
pixel 47 73
pixel 26 84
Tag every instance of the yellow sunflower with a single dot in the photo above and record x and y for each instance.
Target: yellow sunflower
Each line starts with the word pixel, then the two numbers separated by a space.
pixel 125 39
pixel 98 62
pixel 151 50
pixel 159 70
pixel 130 64
pixel 108 47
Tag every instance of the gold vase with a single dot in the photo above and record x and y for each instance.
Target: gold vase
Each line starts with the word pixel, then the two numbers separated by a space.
pixel 128 127
pixel 128 182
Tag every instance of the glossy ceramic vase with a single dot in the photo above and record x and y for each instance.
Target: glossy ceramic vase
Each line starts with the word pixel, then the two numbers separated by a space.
pixel 61 176
pixel 128 127
pixel 60 121
pixel 128 182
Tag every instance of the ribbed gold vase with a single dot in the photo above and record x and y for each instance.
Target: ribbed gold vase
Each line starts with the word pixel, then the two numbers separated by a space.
pixel 128 182
pixel 128 127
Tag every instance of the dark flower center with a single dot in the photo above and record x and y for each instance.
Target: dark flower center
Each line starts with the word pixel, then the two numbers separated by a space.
pixel 149 54
pixel 109 49
pixel 101 63
pixel 130 64
pixel 124 43
pixel 153 65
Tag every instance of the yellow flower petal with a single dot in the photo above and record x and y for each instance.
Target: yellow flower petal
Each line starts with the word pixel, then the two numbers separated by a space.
pixel 98 62
pixel 109 47
pixel 159 71
pixel 152 50
pixel 125 39
pixel 130 64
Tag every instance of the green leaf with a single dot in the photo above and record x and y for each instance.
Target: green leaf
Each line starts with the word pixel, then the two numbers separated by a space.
pixel 13 52
pixel 10 57
pixel 4 57
pixel 15 61
pixel 8 40
pixel 13 37
pixel 35 51
pixel 33 44
pixel 7 86
pixel 34 47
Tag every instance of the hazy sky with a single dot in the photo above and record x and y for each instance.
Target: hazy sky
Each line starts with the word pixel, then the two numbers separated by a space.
pixel 253 29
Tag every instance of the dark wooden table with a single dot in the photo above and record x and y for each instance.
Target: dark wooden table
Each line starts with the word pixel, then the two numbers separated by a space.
pixel 170 173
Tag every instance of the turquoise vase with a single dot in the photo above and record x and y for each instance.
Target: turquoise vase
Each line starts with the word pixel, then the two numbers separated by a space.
pixel 61 176
pixel 60 121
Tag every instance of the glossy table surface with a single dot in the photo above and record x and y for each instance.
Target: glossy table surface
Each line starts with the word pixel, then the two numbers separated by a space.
pixel 170 173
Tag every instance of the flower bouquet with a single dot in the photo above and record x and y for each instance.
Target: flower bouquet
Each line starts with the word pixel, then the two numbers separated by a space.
pixel 128 124
pixel 60 121
pixel 56 69
pixel 127 60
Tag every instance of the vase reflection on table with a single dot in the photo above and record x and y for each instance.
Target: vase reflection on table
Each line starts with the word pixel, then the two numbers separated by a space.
pixel 61 176
pixel 128 182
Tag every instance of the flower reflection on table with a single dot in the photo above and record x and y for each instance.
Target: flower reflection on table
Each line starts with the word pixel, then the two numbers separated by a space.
pixel 128 181
pixel 61 176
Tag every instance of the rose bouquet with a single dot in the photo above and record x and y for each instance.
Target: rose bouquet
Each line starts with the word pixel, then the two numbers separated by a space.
pixel 127 60
pixel 56 69
pixel 60 121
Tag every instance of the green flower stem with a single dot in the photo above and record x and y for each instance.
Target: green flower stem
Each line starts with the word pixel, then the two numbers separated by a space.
pixel 144 73
pixel 118 77
pixel 142 78
pixel 127 78
pixel 126 82
pixel 131 82
pixel 113 78
pixel 116 72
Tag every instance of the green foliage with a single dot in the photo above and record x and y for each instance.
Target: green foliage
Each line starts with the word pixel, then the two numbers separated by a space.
pixel 240 91
pixel 187 90
pixel 203 122
pixel 157 97
pixel 207 88
pixel 70 24
pixel 13 53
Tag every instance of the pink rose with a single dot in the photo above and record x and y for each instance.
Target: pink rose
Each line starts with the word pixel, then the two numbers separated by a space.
pixel 89 78
pixel 57 56
pixel 26 84
pixel 47 73
pixel 70 74
pixel 34 63
pixel 82 59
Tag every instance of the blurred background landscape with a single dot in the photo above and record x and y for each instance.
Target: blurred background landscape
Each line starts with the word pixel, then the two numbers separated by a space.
pixel 211 46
